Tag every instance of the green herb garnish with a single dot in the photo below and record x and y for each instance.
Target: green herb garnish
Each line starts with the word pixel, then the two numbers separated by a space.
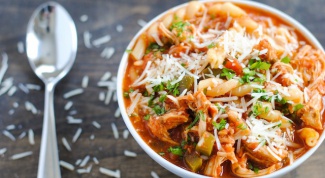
pixel 285 60
pixel 228 73
pixel 177 150
pixel 221 125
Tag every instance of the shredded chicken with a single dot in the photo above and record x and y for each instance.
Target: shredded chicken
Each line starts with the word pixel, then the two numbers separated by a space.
pixel 160 125
pixel 311 111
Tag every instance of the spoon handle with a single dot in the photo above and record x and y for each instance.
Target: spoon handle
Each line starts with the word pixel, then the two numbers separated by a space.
pixel 48 165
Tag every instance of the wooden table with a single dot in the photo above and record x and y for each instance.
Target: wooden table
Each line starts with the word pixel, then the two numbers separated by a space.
pixel 103 18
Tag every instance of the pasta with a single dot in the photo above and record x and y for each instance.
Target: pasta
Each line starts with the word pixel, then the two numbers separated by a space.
pixel 223 90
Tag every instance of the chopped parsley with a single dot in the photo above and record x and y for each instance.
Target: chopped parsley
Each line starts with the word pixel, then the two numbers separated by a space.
pixel 146 117
pixel 220 109
pixel 162 98
pixel 126 94
pixel 221 125
pixel 212 45
pixel 260 65
pixel 248 75
pixel 285 60
pixel 173 88
pixel 177 150
pixel 228 73
pixel 297 107
pixel 242 126
pixel 179 27
pixel 150 102
pixel 159 110
pixel 198 116
pixel 155 48
pixel 128 51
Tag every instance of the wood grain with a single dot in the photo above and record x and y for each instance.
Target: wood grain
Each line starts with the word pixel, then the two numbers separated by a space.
pixel 104 16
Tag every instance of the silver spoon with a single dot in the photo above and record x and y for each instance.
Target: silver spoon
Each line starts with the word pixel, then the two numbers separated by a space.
pixel 51 46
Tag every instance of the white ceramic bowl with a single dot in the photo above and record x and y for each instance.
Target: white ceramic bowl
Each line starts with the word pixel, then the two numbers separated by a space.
pixel 163 162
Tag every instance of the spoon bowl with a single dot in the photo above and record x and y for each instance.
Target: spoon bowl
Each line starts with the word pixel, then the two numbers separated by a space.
pixel 51 46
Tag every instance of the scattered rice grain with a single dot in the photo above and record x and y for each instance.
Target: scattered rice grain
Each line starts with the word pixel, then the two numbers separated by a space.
pixel 101 96
pixel 2 151
pixel 73 112
pixel 85 81
pixel 22 135
pixel 119 28
pixel 12 91
pixel 72 120
pixel 4 65
pixel 10 127
pixel 9 135
pixel 83 18
pixel 108 172
pixel 108 96
pixel 107 52
pixel 126 134
pixel 76 135
pixel 31 137
pixel 21 155
pixel 95 160
pixel 154 174
pixel 102 40
pixel 66 144
pixel 106 76
pixel 11 111
pixel 130 153
pixel 33 87
pixel 15 105
pixel 78 162
pixel 117 113
pixel 85 161
pixel 23 88
pixel 30 107
pixel 20 47
pixel 83 171
pixel 115 131
pixel 66 165
pixel 141 22
pixel 96 124
pixel 92 137
pixel 72 93
pixel 87 37
pixel 68 105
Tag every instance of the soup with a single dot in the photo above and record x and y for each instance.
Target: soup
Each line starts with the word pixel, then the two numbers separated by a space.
pixel 225 90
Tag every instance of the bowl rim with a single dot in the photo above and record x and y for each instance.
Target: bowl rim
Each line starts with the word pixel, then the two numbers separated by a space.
pixel 165 163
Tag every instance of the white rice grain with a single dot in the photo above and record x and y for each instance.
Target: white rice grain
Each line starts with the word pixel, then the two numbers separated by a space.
pixel 10 127
pixel 84 171
pixel 107 52
pixel 4 65
pixel 72 120
pixel 11 111
pixel 108 96
pixel 83 18
pixel 106 76
pixel 154 174
pixel 76 135
pixel 92 137
pixel 117 113
pixel 72 93
pixel 22 135
pixel 21 155
pixel 66 165
pixel 78 162
pixel 2 151
pixel 9 135
pixel 66 144
pixel 95 160
pixel 15 105
pixel 85 81
pixel 31 137
pixel 101 96
pixel 68 105
pixel 30 107
pixel 102 40
pixel 108 172
pixel 115 131
pixel 6 85
pixel 96 124
pixel 87 37
pixel 119 28
pixel 130 153
pixel 114 96
pixel 20 47
pixel 23 88
pixel 85 161
pixel 141 22
pixel 33 87
pixel 126 133
pixel 12 91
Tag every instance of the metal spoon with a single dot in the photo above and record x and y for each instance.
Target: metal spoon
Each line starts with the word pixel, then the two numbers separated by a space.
pixel 51 46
